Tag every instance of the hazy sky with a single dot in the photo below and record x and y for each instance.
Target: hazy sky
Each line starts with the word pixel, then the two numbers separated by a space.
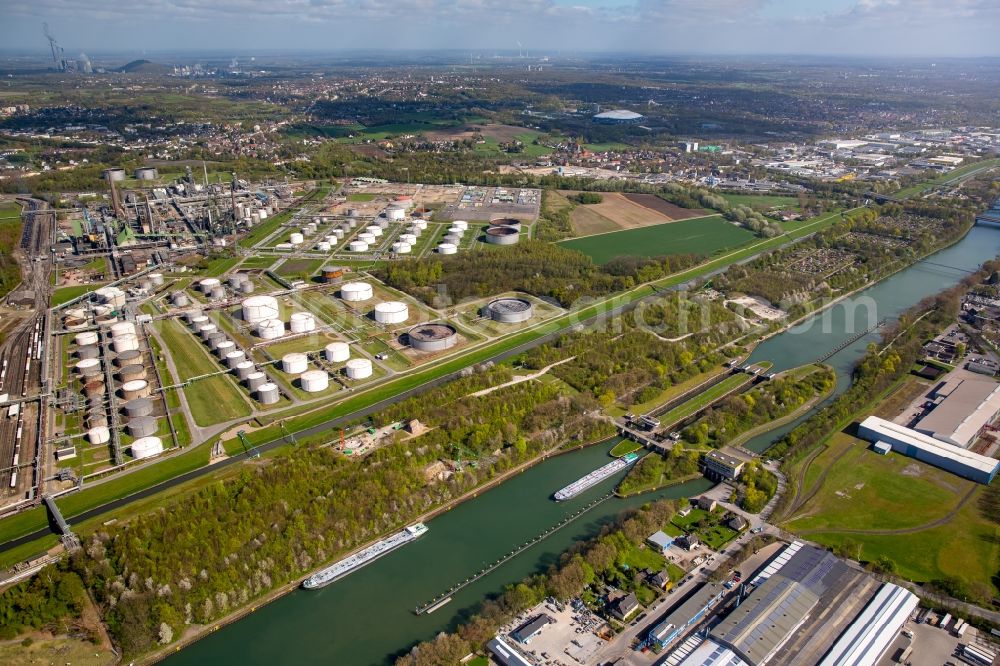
pixel 862 27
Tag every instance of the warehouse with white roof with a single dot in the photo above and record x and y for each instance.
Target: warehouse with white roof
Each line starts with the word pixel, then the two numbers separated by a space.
pixel 925 448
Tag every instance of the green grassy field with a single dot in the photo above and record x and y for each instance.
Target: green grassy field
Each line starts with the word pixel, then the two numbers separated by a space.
pixel 703 399
pixel 213 399
pixel 66 294
pixel 705 235
pixel 866 497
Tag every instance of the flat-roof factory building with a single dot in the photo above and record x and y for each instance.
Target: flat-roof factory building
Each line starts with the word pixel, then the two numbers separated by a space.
pixel 618 117
pixel 962 407
pixel 925 448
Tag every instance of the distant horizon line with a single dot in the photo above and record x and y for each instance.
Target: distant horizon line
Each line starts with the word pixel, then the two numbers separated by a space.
pixel 533 54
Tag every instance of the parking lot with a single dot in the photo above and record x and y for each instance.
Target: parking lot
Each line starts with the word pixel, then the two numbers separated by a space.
pixel 571 638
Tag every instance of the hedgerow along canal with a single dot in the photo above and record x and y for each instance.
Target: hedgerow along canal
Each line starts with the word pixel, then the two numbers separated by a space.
pixel 367 618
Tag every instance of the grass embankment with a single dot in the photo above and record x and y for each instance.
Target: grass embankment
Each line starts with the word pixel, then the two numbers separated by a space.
pixel 704 399
pixel 213 399
pixel 10 236
pixel 762 202
pixel 67 294
pixel 624 447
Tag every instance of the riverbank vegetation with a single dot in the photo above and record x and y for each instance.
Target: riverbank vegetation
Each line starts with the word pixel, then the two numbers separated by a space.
pixel 583 571
pixel 655 471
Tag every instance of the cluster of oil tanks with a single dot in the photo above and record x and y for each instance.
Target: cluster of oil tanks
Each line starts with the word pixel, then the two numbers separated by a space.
pixel 233 358
pixel 388 312
pixel 505 231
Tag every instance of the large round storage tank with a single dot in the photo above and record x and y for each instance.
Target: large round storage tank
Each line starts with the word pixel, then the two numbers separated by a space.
pixel 502 235
pixel 88 351
pixel 95 388
pixel 142 426
pixel 223 348
pixel 271 329
pixel 268 394
pixel 130 357
pixel 511 222
pixel 391 312
pixel 208 284
pixel 259 308
pixel 138 407
pixel 122 329
pixel 402 248
pixel 112 296
pixel 146 447
pixel 97 418
pixel 294 363
pixel 358 368
pixel 89 367
pixel 314 381
pixel 373 229
pixel 131 372
pixel 302 322
pixel 255 380
pixel 179 299
pixel 509 310
pixel 244 369
pixel 198 321
pixel 73 324
pixel 323 246
pixel 99 435
pixel 236 279
pixel 137 388
pixel 452 239
pixel 146 173
pixel 420 224
pixel 246 287
pixel 447 248
pixel 124 343
pixel 115 174
pixel 432 337
pixel 366 237
pixel 215 339
pixel 456 231
pixel 460 224
pixel 408 238
pixel 207 330
pixel 296 238
pixel 395 214
pixel 156 279
pixel 337 352
pixel 234 358
pixel 86 338
pixel 358 246
pixel 356 291
pixel 217 293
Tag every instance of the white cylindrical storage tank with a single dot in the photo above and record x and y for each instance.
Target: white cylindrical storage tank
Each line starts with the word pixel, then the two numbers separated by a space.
pixel 259 308
pixel 356 291
pixel 402 248
pixel 124 343
pixel 215 339
pixel 99 435
pixel 191 315
pixel 447 248
pixel 366 237
pixel 358 368
pixel 337 352
pixel 452 239
pixel 122 328
pixel 146 447
pixel 246 287
pixel 420 224
pixel 89 366
pixel 234 358
pixel 244 369
pixel 395 214
pixel 180 299
pixel 86 338
pixel 337 234
pixel 296 238
pixel 314 381
pixel 358 246
pixel 509 310
pixel 217 293
pixel 137 388
pixel 271 329
pixel 236 279
pixel 411 239
pixel 130 372
pixel 208 284
pixel 302 322
pixel 142 426
pixel 374 230
pixel 294 363
pixel 156 279
pixel 502 235
pixel 206 331
pixel 460 224
pixel 456 231
pixel 323 246
pixel 255 380
pixel 130 357
pixel 391 312
pixel 223 348
pixel 268 393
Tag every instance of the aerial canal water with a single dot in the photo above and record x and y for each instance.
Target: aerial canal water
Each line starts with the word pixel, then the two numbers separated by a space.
pixel 367 618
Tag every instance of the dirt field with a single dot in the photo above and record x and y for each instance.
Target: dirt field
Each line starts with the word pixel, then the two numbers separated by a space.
pixel 502 133
pixel 586 221
pixel 672 211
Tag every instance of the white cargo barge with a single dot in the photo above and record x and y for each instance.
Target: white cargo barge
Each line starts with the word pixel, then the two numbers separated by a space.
pixel 595 477
pixel 359 559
